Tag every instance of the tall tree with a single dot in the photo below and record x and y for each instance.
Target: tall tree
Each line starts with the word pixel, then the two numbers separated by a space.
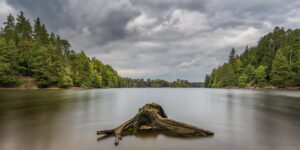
pixel 7 72
pixel 24 36
pixel 9 28
pixel 48 59
pixel 23 28
pixel 40 32
pixel 232 56
pixel 281 72
pixel 271 69
pixel 260 76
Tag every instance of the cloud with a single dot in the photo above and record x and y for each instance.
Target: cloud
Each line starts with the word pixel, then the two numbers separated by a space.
pixel 166 39
pixel 5 10
pixel 53 12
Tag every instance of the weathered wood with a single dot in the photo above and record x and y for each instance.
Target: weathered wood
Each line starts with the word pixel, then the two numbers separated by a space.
pixel 153 116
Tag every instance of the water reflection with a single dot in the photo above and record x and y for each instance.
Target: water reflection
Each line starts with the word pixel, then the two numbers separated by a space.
pixel 68 119
pixel 151 134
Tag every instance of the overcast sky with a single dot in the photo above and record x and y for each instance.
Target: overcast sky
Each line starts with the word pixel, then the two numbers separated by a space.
pixel 166 39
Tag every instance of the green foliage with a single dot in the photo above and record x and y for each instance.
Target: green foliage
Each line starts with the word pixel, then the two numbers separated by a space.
pixel 47 58
pixel 23 28
pixel 275 60
pixel 155 83
pixel 9 28
pixel 242 81
pixel 249 71
pixel 65 81
pixel 260 76
pixel 7 62
pixel 281 72
pixel 232 55
pixel 296 70
pixel 207 81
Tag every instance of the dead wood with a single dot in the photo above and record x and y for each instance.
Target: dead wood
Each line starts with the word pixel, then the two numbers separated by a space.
pixel 152 116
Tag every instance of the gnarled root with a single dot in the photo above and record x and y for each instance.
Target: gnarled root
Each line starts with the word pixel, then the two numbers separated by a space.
pixel 152 116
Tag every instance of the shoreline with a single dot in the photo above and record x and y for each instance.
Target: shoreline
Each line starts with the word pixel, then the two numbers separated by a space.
pixel 80 88
pixel 36 88
pixel 264 88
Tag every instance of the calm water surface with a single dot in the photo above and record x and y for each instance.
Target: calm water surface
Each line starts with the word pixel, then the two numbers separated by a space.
pixel 69 119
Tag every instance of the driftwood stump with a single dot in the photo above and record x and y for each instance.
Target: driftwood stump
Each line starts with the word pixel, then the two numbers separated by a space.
pixel 152 116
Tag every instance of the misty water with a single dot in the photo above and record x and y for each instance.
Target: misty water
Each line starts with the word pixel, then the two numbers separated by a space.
pixel 69 119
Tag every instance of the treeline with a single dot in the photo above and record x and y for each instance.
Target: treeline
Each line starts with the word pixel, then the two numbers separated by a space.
pixel 275 61
pixel 49 59
pixel 128 82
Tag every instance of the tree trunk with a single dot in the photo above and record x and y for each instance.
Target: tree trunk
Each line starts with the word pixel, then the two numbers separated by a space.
pixel 152 116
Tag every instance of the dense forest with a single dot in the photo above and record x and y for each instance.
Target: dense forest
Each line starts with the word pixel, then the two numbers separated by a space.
pixel 31 51
pixel 275 61
pixel 128 82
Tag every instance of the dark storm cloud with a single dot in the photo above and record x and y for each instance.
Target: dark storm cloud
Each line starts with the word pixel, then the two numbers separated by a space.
pixel 167 39
pixel 53 11
pixel 105 21
pixel 114 23
pixel 160 6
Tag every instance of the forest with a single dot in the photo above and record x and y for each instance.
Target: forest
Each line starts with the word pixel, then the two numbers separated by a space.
pixel 31 51
pixel 274 62
pixel 128 82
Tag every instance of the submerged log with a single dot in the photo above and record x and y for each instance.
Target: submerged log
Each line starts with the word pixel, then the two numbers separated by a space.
pixel 153 116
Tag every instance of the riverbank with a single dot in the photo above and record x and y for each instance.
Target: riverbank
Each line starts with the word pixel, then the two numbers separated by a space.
pixel 28 83
pixel 36 88
pixel 269 87
pixel 78 88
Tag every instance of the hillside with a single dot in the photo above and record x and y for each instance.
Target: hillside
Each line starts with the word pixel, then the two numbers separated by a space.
pixel 274 62
pixel 27 51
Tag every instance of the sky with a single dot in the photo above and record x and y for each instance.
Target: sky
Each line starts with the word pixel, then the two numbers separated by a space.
pixel 166 39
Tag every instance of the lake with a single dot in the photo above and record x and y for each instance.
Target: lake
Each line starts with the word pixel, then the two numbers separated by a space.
pixel 69 119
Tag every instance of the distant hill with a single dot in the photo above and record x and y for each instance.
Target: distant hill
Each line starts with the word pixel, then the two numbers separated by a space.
pixel 274 62
pixel 143 83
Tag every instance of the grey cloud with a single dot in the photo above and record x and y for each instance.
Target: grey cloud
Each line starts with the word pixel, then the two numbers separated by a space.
pixel 114 23
pixel 160 6
pixel 166 39
pixel 52 12
pixel 105 24
pixel 5 10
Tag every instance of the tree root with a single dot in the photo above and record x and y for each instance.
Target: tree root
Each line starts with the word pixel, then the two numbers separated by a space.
pixel 152 116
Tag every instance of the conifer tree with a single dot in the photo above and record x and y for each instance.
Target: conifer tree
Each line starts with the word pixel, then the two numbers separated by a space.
pixel 49 59
pixel 281 72
pixel 260 76
pixel 23 28
pixel 232 56
pixel 8 31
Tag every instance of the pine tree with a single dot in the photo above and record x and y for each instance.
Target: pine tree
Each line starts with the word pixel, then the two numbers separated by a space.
pixel 23 28
pixel 40 32
pixel 49 59
pixel 207 81
pixel 232 56
pixel 44 35
pixel 7 72
pixel 23 31
pixel 249 71
pixel 8 31
pixel 37 29
pixel 242 81
pixel 260 76
pixel 296 66
pixel 262 57
pixel 281 72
